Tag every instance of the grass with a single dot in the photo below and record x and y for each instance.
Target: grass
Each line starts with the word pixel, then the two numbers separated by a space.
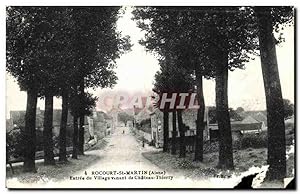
pixel 243 160
pixel 137 136
pixel 54 173
pixel 98 146
pixel 59 171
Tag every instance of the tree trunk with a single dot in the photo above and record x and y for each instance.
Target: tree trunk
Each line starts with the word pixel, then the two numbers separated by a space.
pixel 75 137
pixel 29 133
pixel 166 131
pixel 182 150
pixel 81 136
pixel 225 138
pixel 47 133
pixel 174 133
pixel 81 123
pixel 274 101
pixel 200 119
pixel 63 127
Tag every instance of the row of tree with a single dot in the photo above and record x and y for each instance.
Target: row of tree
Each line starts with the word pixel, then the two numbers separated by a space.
pixel 60 51
pixel 193 43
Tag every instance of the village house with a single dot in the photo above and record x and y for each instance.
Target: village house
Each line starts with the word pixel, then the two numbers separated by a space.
pixel 113 113
pixel 57 119
pixel 18 119
pixel 141 115
pixel 247 125
pixel 260 116
pixel 142 123
pixel 142 119
pixel 238 128
pixel 189 117
pixel 99 124
pixel 96 126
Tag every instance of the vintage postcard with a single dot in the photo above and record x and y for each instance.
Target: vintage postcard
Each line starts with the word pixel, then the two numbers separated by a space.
pixel 150 97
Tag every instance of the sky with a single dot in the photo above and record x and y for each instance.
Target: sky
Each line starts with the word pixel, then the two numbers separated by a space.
pixel 136 70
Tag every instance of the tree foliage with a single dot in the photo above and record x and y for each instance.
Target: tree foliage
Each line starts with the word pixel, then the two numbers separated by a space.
pixel 124 117
pixel 288 108
pixel 51 51
pixel 197 33
pixel 79 107
pixel 96 45
pixel 173 78
pixel 56 46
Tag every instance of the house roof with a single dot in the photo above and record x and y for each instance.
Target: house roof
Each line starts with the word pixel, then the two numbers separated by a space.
pixel 18 117
pixel 239 126
pixel 155 111
pixel 245 126
pixel 114 110
pixel 129 111
pixel 143 114
pixel 106 116
pixel 100 116
pixel 189 116
pixel 248 123
pixel 249 119
pixel 137 110
pixel 260 116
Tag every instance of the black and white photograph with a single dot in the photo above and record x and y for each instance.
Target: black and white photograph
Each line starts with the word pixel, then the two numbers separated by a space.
pixel 150 97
